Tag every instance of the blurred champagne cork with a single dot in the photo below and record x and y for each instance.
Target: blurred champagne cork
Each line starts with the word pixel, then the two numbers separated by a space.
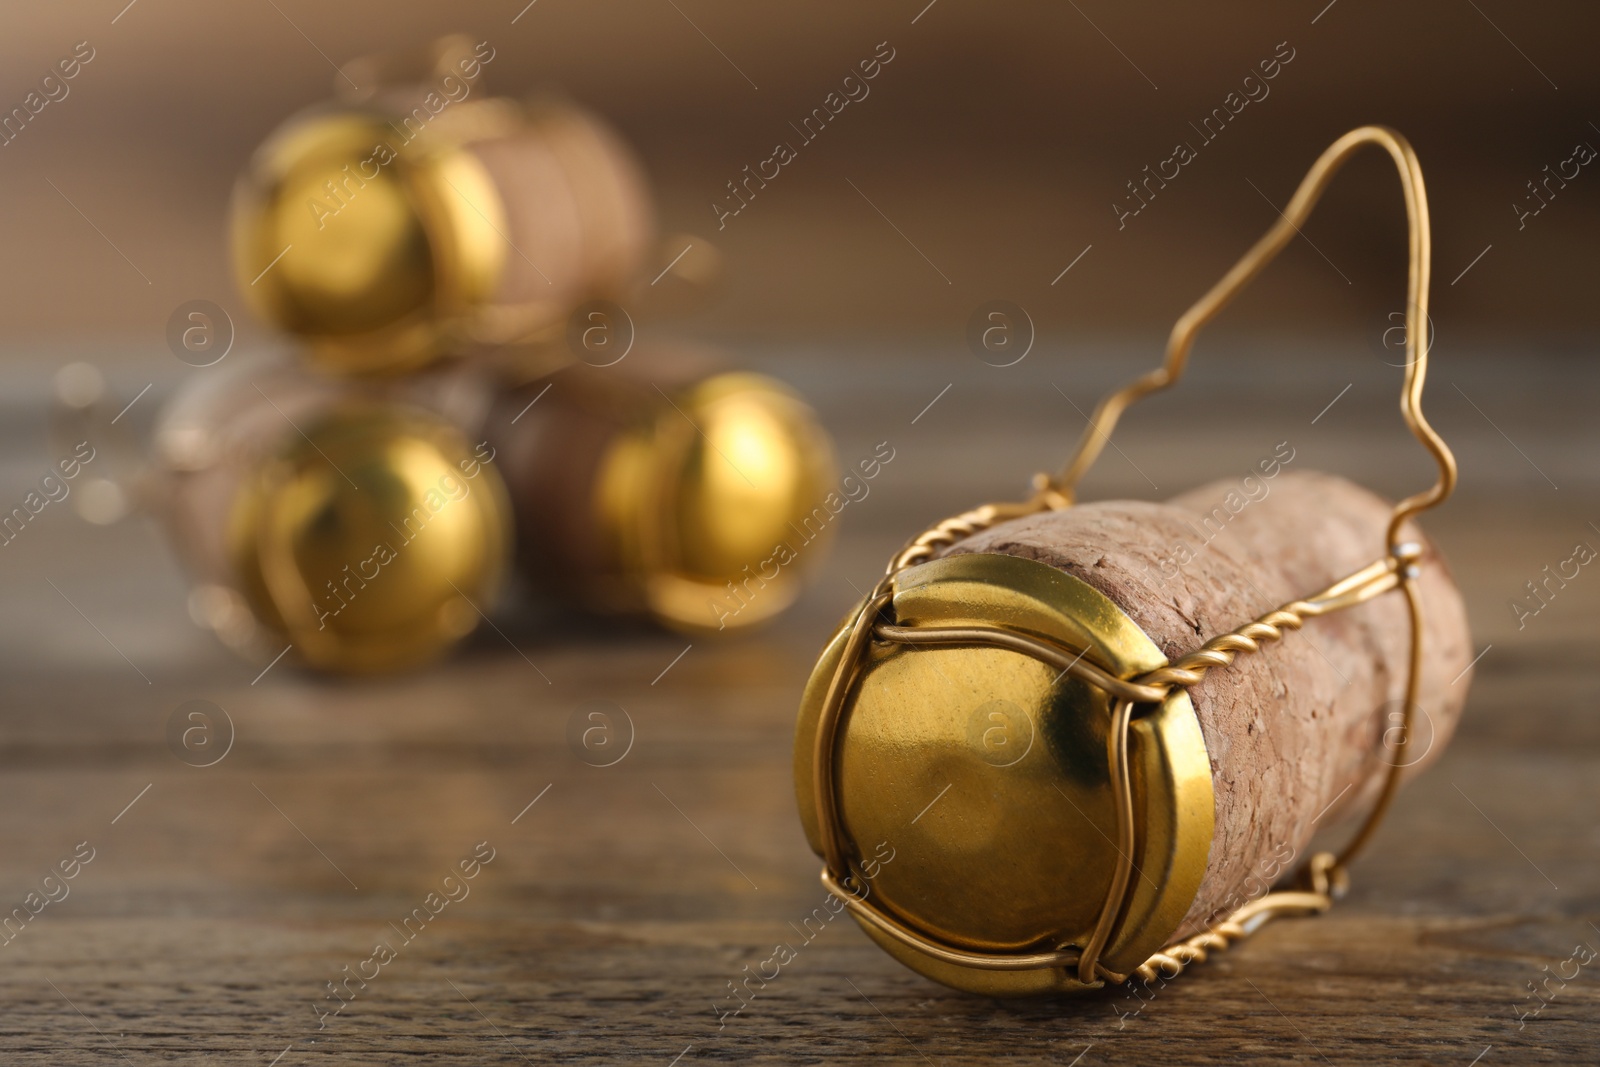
pixel 357 524
pixel 669 492
pixel 420 217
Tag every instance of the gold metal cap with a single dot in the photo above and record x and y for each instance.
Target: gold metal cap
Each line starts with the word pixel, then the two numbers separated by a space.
pixel 371 248
pixel 985 773
pixel 715 503
pixel 371 542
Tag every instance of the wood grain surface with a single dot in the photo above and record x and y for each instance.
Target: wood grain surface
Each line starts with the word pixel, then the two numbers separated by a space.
pixel 622 900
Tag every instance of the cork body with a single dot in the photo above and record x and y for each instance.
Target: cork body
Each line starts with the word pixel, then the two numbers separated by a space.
pixel 1300 734
pixel 575 200
pixel 554 451
pixel 209 441
pixel 572 198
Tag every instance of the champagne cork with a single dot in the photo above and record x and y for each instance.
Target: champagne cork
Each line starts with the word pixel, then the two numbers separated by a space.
pixel 356 523
pixel 671 493
pixel 431 220
pixel 1072 781
pixel 1302 733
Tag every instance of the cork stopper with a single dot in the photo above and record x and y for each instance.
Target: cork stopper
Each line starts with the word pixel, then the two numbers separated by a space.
pixel 1296 733
pixel 1231 777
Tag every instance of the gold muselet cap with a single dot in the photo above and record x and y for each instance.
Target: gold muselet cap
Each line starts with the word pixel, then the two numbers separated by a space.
pixel 371 249
pixel 371 542
pixel 708 501
pixel 423 221
pixel 985 775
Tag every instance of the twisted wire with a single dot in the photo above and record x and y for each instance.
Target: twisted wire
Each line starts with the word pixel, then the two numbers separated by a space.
pixel 1223 649
pixel 926 545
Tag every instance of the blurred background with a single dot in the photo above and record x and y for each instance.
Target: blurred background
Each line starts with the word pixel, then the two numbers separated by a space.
pixel 996 141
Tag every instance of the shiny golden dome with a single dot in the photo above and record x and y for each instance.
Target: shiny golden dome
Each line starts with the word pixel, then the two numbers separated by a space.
pixel 370 248
pixel 710 502
pixel 371 542
pixel 985 773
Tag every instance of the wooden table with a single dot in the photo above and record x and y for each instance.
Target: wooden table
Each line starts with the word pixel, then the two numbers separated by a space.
pixel 622 900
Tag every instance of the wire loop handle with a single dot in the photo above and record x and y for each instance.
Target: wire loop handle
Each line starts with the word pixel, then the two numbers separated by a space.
pixel 1420 250
pixel 1325 875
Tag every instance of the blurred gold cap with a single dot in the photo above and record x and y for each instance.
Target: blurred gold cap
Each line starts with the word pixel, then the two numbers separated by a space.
pixel 371 542
pixel 992 793
pixel 709 502
pixel 371 249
